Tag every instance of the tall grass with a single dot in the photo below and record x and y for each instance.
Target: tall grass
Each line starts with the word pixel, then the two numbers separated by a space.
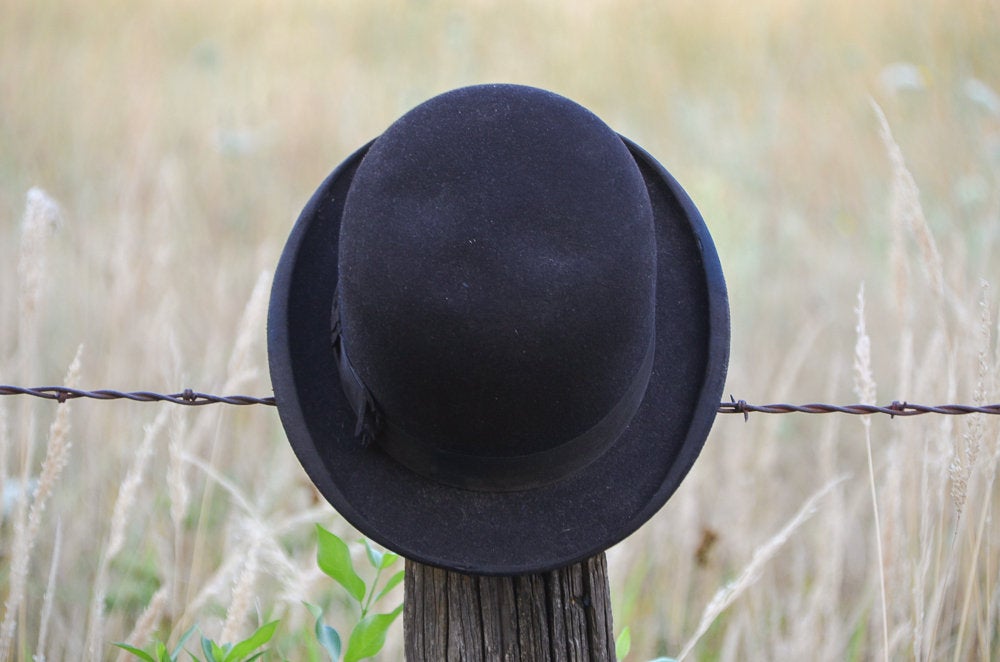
pixel 172 145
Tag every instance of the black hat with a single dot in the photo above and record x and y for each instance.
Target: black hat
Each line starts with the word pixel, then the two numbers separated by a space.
pixel 498 334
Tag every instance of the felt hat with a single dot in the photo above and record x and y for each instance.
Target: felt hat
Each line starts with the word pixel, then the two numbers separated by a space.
pixel 498 334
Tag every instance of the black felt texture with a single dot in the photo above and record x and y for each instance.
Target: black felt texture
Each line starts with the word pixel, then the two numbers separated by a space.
pixel 496 286
pixel 504 258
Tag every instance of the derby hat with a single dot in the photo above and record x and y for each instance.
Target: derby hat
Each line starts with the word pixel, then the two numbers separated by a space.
pixel 498 334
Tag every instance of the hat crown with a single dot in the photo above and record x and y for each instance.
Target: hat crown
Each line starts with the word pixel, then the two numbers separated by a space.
pixel 497 269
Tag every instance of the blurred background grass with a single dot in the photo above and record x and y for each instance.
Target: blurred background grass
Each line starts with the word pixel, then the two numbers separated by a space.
pixel 181 139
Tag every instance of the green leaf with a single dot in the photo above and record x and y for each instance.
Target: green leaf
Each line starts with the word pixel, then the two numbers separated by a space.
pixel 374 555
pixel 391 584
pixel 623 644
pixel 334 559
pixel 181 642
pixel 327 637
pixel 380 559
pixel 368 636
pixel 138 652
pixel 388 559
pixel 254 641
pixel 213 651
pixel 315 610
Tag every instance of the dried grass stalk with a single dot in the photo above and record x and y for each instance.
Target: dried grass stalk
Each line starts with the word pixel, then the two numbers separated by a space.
pixel 241 368
pixel 42 216
pixel 906 208
pixel 130 485
pixel 50 589
pixel 726 595
pixel 966 447
pixel 116 538
pixel 243 590
pixel 865 389
pixel 864 378
pixel 179 496
pixel 56 456
pixel 149 619
pixel 978 477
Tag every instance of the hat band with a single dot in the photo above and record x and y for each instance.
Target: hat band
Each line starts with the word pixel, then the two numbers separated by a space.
pixel 496 473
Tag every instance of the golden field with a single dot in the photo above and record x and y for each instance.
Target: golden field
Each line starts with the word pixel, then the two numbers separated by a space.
pixel 834 148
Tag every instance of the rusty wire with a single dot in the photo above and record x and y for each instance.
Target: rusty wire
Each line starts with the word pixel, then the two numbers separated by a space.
pixel 186 397
pixel 893 409
pixel 190 397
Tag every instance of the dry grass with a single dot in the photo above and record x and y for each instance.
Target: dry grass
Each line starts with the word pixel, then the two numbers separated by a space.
pixel 176 142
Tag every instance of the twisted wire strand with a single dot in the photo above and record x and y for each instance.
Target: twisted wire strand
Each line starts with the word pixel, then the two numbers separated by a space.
pixel 895 408
pixel 186 397
pixel 193 398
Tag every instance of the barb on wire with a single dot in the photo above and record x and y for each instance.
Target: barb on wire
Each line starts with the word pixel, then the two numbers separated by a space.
pixel 895 408
pixel 186 397
pixel 196 399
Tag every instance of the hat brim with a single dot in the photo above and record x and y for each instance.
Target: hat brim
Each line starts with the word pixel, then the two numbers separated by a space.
pixel 503 533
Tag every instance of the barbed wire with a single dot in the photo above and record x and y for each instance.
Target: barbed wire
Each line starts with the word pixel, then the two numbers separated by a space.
pixel 893 409
pixel 186 397
pixel 194 398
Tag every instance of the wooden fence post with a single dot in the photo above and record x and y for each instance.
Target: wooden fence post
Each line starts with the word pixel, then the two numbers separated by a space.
pixel 559 616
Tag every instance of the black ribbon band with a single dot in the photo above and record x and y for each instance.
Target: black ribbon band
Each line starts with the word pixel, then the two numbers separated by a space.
pixel 369 422
pixel 487 473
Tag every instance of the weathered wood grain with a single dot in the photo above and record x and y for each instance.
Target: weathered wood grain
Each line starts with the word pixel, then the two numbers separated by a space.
pixel 558 616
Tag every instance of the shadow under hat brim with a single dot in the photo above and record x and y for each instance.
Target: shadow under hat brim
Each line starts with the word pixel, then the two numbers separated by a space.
pixel 503 533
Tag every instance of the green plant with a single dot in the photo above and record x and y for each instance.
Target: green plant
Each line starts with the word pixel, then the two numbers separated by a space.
pixel 623 644
pixel 238 652
pixel 213 652
pixel 368 635
pixel 333 557
pixel 158 651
